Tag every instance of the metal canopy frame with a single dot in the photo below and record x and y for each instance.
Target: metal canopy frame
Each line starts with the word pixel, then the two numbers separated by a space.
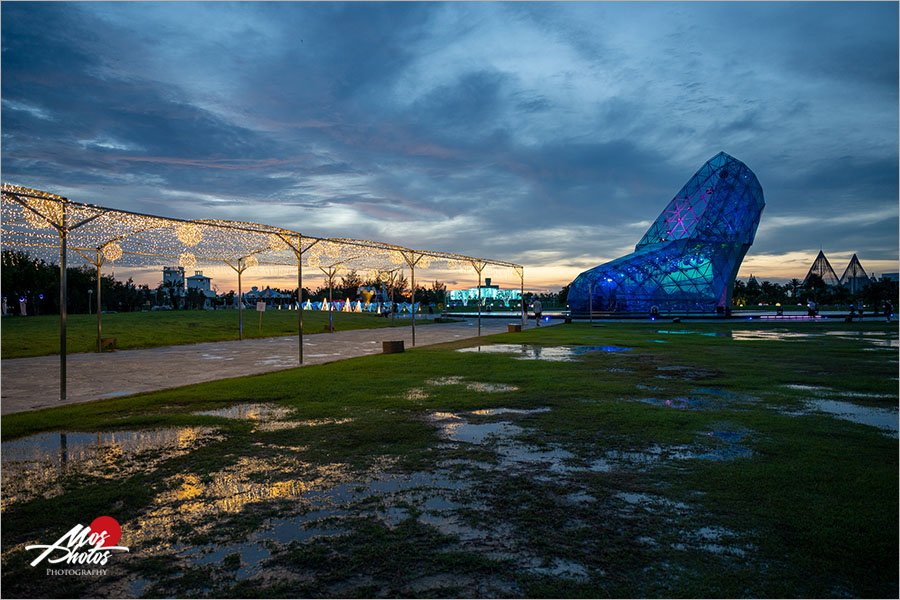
pixel 44 223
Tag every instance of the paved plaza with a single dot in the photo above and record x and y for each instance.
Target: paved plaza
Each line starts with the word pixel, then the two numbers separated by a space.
pixel 33 383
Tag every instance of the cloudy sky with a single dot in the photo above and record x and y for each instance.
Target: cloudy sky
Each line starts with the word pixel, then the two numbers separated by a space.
pixel 548 134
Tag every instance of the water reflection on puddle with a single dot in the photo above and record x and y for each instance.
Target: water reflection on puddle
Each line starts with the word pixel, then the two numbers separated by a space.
pixel 760 334
pixel 253 412
pixel 500 435
pixel 886 419
pixel 682 402
pixel 489 412
pixel 686 332
pixel 882 339
pixel 704 398
pixel 475 386
pixel 33 465
pixel 548 353
pixel 722 447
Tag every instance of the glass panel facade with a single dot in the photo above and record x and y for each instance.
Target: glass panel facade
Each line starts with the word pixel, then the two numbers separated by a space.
pixel 688 259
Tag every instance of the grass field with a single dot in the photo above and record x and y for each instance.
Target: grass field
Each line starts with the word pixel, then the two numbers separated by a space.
pixel 39 336
pixel 665 462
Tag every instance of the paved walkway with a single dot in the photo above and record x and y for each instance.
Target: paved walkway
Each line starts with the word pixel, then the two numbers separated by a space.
pixel 32 383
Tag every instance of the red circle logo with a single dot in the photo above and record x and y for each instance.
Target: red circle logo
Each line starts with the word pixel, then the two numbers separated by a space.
pixel 110 526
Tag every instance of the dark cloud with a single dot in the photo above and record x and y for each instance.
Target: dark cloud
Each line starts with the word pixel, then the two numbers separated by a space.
pixel 551 133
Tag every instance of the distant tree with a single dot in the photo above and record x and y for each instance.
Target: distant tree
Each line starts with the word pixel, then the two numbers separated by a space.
pixel 770 293
pixel 194 299
pixel 349 285
pixel 753 292
pixel 739 293
pixel 794 285
pixel 229 298
pixel 437 293
pixel 840 295
pixel 877 292
pixel 815 288
pixel 563 295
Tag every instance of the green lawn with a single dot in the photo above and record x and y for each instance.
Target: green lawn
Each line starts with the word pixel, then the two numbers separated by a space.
pixel 39 336
pixel 381 481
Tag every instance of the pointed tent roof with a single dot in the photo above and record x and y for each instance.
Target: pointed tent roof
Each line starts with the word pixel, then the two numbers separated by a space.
pixel 853 271
pixel 822 268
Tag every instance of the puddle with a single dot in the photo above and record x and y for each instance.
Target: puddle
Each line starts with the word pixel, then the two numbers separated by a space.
pixel 472 433
pixel 717 393
pixel 886 419
pixel 648 388
pixel 650 500
pixel 725 448
pixel 683 372
pixel 474 386
pixel 208 356
pixel 415 394
pixel 117 394
pixel 685 332
pixel 32 466
pixel 818 390
pixel 487 412
pixel 267 416
pixel 252 412
pixel 500 435
pixel 200 502
pixel 677 402
pixel 548 353
pixel 878 340
pixel 760 334
pixel 558 567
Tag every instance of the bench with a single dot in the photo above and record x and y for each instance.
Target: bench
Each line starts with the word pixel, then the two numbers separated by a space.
pixel 392 347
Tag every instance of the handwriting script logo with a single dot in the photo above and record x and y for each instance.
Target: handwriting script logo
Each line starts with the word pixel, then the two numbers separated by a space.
pixel 100 537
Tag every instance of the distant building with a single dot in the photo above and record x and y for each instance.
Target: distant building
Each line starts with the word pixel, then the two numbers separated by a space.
pixel 269 296
pixel 687 260
pixel 488 292
pixel 198 281
pixel 174 277
pixel 823 269
pixel 891 276
pixel 854 277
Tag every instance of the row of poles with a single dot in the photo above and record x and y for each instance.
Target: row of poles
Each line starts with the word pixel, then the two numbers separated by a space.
pixel 239 267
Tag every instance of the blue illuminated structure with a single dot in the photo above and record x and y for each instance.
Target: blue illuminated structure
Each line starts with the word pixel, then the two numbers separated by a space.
pixel 688 259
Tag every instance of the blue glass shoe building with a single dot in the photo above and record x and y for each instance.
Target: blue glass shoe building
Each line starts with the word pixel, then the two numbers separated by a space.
pixel 688 259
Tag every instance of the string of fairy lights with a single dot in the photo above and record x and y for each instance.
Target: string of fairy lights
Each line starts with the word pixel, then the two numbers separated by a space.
pixel 44 224
pixel 35 219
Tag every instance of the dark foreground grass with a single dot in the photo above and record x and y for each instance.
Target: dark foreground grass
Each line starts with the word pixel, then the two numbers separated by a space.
pixel 39 336
pixel 810 511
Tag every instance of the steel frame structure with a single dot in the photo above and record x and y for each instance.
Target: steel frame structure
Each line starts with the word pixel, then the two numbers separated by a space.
pixel 46 223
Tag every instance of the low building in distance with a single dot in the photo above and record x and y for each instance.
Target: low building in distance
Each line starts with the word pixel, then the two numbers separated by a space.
pixel 489 293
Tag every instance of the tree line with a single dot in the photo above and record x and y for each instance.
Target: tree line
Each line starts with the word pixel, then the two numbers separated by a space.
pixel 814 288
pixel 36 282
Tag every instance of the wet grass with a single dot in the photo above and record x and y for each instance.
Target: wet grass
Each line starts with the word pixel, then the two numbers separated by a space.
pixel 39 335
pixel 812 511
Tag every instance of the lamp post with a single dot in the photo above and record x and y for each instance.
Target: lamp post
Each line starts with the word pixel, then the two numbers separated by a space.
pixel 591 301
pixel 90 295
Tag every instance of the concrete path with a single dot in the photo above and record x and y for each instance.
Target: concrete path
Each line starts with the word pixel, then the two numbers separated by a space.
pixel 33 383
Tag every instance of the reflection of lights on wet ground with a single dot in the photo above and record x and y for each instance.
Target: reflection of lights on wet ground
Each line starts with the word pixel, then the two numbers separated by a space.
pixel 548 353
pixel 32 466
